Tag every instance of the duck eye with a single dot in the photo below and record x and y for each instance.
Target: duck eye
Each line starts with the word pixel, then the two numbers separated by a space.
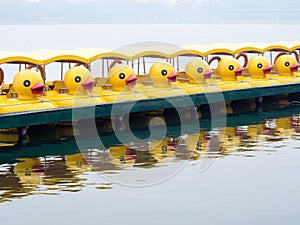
pixel 231 67
pixel 286 63
pixel 164 72
pixel 26 83
pixel 77 79
pixel 122 76
pixel 200 70
pixel 259 65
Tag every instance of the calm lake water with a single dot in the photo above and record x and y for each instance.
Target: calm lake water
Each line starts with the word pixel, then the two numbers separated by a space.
pixel 244 173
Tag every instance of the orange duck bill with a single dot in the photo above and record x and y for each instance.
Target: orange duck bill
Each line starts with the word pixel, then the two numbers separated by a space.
pixel 38 89
pixel 267 69
pixel 88 84
pixel 172 77
pixel 239 71
pixel 131 80
pixel 294 67
pixel 207 74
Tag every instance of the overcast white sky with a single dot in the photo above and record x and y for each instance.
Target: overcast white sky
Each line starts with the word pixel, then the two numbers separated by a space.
pixel 149 11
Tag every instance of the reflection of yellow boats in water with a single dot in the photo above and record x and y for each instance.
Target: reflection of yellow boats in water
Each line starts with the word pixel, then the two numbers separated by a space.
pixel 31 176
pixel 149 154
pixel 53 174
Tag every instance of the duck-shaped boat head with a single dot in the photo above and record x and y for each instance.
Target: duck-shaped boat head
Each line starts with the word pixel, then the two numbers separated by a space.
pixel 28 84
pixel 286 65
pixel 79 80
pixel 259 67
pixel 229 69
pixel 121 77
pixel 198 71
pixel 162 74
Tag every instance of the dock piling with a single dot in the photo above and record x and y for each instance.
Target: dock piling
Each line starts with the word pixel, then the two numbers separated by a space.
pixel 22 133
pixel 259 104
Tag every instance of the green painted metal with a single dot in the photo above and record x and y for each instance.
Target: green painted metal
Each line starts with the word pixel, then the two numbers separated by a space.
pixel 10 154
pixel 30 118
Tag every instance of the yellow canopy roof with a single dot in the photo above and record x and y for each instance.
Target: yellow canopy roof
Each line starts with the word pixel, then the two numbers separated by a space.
pixel 134 51
pixel 154 49
pixel 46 56
pixel 231 48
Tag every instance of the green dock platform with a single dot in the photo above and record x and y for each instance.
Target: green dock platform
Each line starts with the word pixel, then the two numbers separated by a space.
pixel 31 118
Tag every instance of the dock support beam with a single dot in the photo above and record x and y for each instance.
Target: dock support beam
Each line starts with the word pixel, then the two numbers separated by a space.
pixel 22 133
pixel 259 104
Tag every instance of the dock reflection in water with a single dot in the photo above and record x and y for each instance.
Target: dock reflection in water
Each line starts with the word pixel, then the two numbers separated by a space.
pixel 59 166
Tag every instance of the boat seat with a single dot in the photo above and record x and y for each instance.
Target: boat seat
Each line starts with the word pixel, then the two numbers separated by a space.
pixel 183 80
pixel 274 71
pixel 181 74
pixel 103 83
pixel 59 86
pixel 141 76
pixel 100 81
pixel 147 82
pixel 107 86
pixel 49 85
pixel 5 89
pixel 11 93
pixel 144 79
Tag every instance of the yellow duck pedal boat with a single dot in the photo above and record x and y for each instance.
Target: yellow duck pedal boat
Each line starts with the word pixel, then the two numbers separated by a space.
pixel 122 79
pixel 287 68
pixel 230 71
pixel 199 74
pixel 4 87
pixel 28 85
pixel 80 83
pixel 163 77
pixel 259 68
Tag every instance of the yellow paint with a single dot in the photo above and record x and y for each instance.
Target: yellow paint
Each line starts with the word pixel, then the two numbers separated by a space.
pixel 25 171
pixel 28 85
pixel 80 83
pixel 229 69
pixel 287 68
pixel 259 68
pixel 123 80
pixel 162 74
pixel 199 74
pixel 163 77
pixel 286 65
pixel 198 71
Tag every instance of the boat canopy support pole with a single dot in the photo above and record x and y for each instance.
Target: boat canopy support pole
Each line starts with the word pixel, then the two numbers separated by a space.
pixel 138 69
pixel 102 67
pixel 62 71
pixel 144 65
pixel 107 66
pixel 44 67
